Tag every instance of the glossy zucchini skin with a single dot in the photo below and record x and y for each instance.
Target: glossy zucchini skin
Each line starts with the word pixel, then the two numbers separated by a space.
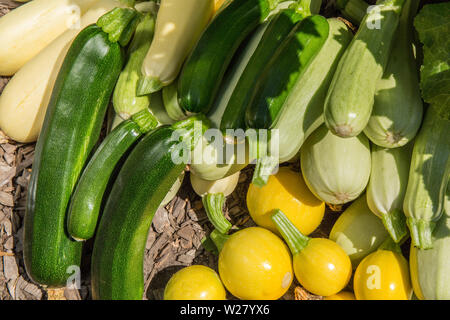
pixel 398 92
pixel 71 128
pixel 428 176
pixel 335 169
pixel 303 110
pixel 275 33
pixel 350 98
pixel 280 75
pixel 146 177
pixel 204 69
pixel 87 198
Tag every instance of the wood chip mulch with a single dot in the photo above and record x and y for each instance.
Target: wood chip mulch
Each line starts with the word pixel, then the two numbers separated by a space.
pixel 174 240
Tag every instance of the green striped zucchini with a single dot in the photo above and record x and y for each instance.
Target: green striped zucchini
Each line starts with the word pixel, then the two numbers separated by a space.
pixel 350 98
pixel 335 169
pixel 428 176
pixel 204 69
pixel 71 129
pixel 141 185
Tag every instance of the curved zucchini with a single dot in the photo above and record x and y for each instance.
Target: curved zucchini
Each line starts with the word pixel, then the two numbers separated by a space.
pixel 398 91
pixel 335 169
pixel 204 69
pixel 350 98
pixel 87 198
pixel 358 231
pixel 387 187
pixel 279 76
pixel 430 269
pixel 71 128
pixel 125 101
pixel 143 181
pixel 428 176
pixel 272 37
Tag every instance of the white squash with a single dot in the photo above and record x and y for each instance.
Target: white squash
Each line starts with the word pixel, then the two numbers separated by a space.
pixel 28 29
pixel 24 100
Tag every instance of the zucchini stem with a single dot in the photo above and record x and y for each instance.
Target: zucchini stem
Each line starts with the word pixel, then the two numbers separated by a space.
pixel 219 239
pixel 296 240
pixel 147 85
pixel 354 10
pixel 265 162
pixel 213 204
pixel 119 24
pixel 145 120
pixel 395 224
pixel 421 232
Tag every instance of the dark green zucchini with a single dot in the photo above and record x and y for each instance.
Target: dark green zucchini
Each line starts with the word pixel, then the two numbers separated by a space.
pixel 277 30
pixel 293 56
pixel 142 183
pixel 71 129
pixel 87 198
pixel 204 69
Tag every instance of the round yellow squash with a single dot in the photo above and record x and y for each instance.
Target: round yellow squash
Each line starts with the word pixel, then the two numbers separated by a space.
pixel 288 192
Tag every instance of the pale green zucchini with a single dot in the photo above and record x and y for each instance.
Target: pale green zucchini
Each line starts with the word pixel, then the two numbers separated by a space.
pixel 125 101
pixel 428 176
pixel 350 98
pixel 387 187
pixel 430 269
pixel 398 91
pixel 358 231
pixel 335 169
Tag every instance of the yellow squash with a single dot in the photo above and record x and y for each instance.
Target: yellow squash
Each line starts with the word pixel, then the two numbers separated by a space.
pixel 25 31
pixel 288 192
pixel 24 100
pixel 196 282
pixel 383 275
pixel 179 25
pixel 320 265
pixel 254 264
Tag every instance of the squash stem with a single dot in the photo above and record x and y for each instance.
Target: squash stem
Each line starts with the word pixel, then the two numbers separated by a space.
pixel 145 120
pixel 219 239
pixel 353 10
pixel 119 24
pixel 213 204
pixel 421 232
pixel 395 224
pixel 293 237
pixel 264 168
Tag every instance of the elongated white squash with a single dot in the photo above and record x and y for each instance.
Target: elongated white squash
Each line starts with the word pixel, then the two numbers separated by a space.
pixel 178 26
pixel 25 31
pixel 24 100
